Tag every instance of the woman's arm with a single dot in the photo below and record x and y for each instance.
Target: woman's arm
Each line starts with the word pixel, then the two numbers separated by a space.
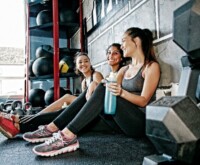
pixel 97 77
pixel 151 80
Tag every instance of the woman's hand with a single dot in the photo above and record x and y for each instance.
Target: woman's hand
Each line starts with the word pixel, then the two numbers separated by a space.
pixel 115 88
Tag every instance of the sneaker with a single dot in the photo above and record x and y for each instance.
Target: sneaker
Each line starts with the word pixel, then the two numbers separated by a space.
pixel 7 116
pixel 39 135
pixel 7 127
pixel 58 144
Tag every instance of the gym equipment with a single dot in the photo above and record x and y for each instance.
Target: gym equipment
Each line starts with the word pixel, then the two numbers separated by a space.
pixel 49 95
pixel 36 97
pixel 186 28
pixel 189 77
pixel 67 91
pixel 7 106
pixel 30 68
pixel 1 107
pixel 186 34
pixel 30 110
pixel 172 122
pixel 16 107
pixel 198 90
pixel 43 66
pixel 66 64
pixel 172 126
pixel 68 16
pixel 44 51
pixel 43 17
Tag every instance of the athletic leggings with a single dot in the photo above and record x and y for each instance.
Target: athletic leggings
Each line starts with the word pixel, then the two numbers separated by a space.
pixel 129 118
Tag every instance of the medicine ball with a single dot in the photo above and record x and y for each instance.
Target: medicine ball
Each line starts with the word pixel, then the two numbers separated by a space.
pixel 43 66
pixel 68 16
pixel 66 64
pixel 67 91
pixel 36 97
pixel 44 51
pixel 30 68
pixel 43 17
pixel 49 95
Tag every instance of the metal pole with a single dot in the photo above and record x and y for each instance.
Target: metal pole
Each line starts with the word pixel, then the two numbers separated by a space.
pixel 56 49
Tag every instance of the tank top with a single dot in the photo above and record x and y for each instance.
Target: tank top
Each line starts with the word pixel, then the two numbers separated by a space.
pixel 135 84
pixel 87 83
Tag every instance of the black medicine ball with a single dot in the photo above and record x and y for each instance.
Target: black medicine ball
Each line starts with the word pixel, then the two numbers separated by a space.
pixel 68 16
pixel 49 95
pixel 44 51
pixel 36 97
pixel 43 66
pixel 43 17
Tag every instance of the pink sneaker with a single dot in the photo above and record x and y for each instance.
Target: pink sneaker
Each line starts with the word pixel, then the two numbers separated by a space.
pixel 7 127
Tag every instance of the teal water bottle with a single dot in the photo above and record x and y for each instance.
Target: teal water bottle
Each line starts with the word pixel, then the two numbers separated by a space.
pixel 110 99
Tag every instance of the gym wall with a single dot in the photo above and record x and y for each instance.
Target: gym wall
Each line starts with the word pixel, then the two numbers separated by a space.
pixel 157 15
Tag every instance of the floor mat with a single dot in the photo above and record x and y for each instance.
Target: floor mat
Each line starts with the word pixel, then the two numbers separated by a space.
pixel 95 149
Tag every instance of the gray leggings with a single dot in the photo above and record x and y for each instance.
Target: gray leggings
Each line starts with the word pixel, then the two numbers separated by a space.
pixel 129 118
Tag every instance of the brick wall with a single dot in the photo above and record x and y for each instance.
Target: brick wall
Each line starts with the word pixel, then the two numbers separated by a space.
pixel 157 15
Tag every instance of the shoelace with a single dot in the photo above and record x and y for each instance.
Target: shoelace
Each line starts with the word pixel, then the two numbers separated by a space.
pixel 56 136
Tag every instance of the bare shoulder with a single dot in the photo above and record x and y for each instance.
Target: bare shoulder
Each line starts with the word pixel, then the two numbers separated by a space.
pixel 122 70
pixel 152 68
pixel 97 76
pixel 96 73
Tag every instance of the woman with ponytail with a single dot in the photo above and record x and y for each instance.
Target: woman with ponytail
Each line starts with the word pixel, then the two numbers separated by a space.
pixel 135 89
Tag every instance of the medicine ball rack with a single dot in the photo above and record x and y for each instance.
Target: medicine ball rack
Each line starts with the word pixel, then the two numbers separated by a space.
pixel 54 30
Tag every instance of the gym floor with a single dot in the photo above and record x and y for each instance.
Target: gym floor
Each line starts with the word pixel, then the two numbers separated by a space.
pixel 95 149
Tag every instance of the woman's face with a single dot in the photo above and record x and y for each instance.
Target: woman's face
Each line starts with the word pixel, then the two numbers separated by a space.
pixel 113 56
pixel 128 45
pixel 83 64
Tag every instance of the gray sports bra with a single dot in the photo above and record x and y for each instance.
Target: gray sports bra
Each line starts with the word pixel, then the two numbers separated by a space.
pixel 134 84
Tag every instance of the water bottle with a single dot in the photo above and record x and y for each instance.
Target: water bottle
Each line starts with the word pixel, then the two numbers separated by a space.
pixel 110 99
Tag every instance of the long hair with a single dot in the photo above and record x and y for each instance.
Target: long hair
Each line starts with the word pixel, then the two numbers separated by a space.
pixel 118 46
pixel 146 37
pixel 78 54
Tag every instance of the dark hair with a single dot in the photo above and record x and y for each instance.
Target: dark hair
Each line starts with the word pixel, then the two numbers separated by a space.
pixel 78 54
pixel 146 37
pixel 118 46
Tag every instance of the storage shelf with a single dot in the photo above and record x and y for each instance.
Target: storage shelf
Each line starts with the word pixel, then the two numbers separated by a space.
pixel 66 30
pixel 50 76
pixel 37 6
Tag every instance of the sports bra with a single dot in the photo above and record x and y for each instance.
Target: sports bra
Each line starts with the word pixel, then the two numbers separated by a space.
pixel 134 84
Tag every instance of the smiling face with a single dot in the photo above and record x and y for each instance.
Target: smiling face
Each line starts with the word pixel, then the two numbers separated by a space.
pixel 83 64
pixel 113 56
pixel 128 45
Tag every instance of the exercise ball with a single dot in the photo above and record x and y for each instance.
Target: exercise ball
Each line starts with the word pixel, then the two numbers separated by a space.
pixel 66 64
pixel 44 51
pixel 49 95
pixel 43 66
pixel 67 91
pixel 43 17
pixel 68 16
pixel 36 97
pixel 30 68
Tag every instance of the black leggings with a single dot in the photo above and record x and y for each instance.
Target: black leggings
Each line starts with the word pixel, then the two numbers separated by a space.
pixel 42 119
pixel 129 118
pixel 100 124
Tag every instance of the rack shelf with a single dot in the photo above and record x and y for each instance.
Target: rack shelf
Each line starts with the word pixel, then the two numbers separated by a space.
pixel 67 30
pixel 50 76
pixel 55 30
